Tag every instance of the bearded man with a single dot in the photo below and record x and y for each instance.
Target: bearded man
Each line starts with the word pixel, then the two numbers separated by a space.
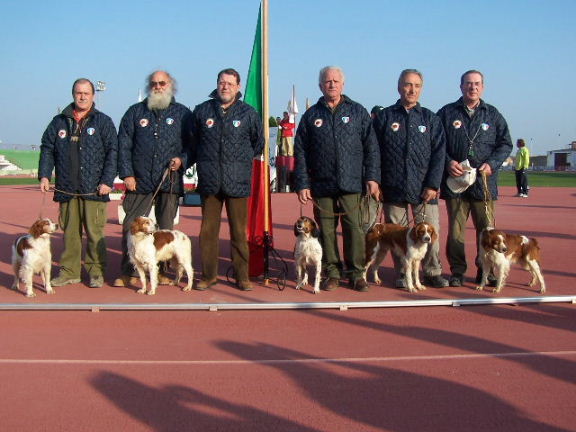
pixel 150 141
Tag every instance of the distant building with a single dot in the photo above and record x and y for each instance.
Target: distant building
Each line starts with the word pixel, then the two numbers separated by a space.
pixel 563 159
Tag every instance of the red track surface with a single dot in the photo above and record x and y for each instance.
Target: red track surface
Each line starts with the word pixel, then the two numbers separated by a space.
pixel 508 368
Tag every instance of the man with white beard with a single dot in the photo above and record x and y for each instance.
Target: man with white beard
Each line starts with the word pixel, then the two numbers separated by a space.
pixel 150 141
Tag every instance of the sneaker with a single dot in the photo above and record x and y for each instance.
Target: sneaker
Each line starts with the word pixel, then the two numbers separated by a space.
pixel 204 284
pixel 244 285
pixel 361 285
pixel 63 280
pixel 524 195
pixel 519 195
pixel 96 282
pixel 436 281
pixel 456 280
pixel 125 281
pixel 330 284
pixel 400 283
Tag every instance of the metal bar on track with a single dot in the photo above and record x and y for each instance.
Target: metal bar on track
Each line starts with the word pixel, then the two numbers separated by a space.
pixel 97 307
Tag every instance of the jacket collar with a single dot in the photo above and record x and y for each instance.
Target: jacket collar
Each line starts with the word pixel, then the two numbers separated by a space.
pixel 69 111
pixel 345 100
pixel 399 107
pixel 462 105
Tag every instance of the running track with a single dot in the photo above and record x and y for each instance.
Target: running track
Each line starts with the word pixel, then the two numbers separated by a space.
pixel 509 368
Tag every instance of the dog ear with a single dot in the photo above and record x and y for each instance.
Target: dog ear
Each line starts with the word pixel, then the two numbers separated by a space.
pixel 413 234
pixel 37 228
pixel 296 233
pixel 434 234
pixel 315 233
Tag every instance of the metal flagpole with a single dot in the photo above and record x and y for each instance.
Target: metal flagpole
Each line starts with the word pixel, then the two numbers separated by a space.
pixel 266 128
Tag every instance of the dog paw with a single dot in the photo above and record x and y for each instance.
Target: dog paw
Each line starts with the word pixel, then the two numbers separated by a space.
pixel 151 292
pixel 496 290
pixel 50 291
pixel 421 287
pixel 141 291
pixel 479 288
pixel 30 294
pixel 316 290
pixel 187 288
pixel 542 290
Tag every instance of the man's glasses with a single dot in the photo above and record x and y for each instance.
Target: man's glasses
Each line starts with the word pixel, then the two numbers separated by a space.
pixel 158 83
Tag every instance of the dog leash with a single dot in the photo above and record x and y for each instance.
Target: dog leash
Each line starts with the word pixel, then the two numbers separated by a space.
pixel 487 199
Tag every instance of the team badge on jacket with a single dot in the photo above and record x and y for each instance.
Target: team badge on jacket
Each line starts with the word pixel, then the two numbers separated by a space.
pixel 395 126
pixel 457 124
pixel 143 122
pixel 236 123
pixel 169 121
pixel 90 131
pixel 62 133
pixel 318 122
pixel 345 119
pixel 485 126
pixel 209 122
pixel 422 129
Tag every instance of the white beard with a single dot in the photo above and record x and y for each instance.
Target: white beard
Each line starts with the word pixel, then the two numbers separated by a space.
pixel 159 101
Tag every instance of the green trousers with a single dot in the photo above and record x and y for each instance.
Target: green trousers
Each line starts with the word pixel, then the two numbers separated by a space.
pixel 352 233
pixel 459 210
pixel 76 216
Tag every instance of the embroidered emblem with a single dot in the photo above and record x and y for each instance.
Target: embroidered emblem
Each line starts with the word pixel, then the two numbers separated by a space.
pixel 485 126
pixel 236 123
pixel 422 129
pixel 395 126
pixel 345 119
pixel 457 124
pixel 169 121
pixel 62 133
pixel 90 131
pixel 210 122
pixel 143 122
pixel 318 122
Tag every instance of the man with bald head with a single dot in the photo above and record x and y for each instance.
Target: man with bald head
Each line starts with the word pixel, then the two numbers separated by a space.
pixel 337 159
pixel 150 142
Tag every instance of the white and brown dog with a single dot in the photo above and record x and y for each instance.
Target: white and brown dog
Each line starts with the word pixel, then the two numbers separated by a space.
pixel 408 244
pixel 307 250
pixel 498 250
pixel 147 247
pixel 31 254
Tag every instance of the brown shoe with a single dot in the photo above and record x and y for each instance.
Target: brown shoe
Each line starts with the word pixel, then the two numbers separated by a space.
pixel 330 284
pixel 124 281
pixel 204 284
pixel 361 285
pixel 244 285
pixel 164 280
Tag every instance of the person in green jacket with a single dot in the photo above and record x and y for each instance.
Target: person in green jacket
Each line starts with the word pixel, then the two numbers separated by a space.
pixel 521 164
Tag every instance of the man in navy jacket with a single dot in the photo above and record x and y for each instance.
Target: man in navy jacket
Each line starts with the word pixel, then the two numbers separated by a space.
pixel 412 151
pixel 81 144
pixel 336 158
pixel 475 132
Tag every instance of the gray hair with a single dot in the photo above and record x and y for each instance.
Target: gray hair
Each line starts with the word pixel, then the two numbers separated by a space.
pixel 325 70
pixel 409 71
pixel 82 81
pixel 170 77
pixel 470 72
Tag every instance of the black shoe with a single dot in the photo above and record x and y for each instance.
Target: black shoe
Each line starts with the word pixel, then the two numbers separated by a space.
pixel 330 284
pixel 456 280
pixel 435 281
pixel 361 285
pixel 491 278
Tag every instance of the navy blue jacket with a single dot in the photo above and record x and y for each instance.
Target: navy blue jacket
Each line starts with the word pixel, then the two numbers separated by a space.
pixel 491 144
pixel 147 141
pixel 223 146
pixel 336 152
pixel 93 155
pixel 412 152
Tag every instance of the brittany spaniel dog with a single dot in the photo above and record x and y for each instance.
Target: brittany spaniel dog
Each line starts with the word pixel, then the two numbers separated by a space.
pixel 147 247
pixel 408 244
pixel 307 250
pixel 31 254
pixel 498 250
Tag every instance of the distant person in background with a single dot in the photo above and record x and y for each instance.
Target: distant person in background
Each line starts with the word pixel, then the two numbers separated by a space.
pixel 81 144
pixel 285 163
pixel 521 164
pixel 287 144
pixel 150 141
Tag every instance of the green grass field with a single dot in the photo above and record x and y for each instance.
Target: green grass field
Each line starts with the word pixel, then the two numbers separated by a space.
pixel 539 178
pixel 26 160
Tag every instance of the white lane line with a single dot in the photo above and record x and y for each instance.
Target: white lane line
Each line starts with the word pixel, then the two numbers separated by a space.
pixel 289 361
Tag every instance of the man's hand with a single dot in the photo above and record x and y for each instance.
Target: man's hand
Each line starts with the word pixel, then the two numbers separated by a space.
pixel 373 189
pixel 485 168
pixel 175 164
pixel 130 183
pixel 104 189
pixel 304 195
pixel 428 195
pixel 455 169
pixel 44 184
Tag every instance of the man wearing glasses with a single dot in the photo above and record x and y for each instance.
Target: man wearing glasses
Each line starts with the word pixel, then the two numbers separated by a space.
pixel 150 143
pixel 225 136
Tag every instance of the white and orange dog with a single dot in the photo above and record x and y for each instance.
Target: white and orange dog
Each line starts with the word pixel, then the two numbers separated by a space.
pixel 31 255
pixel 307 250
pixel 498 250
pixel 408 244
pixel 147 247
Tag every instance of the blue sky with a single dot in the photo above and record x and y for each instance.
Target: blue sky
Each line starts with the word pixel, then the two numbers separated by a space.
pixel 525 49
